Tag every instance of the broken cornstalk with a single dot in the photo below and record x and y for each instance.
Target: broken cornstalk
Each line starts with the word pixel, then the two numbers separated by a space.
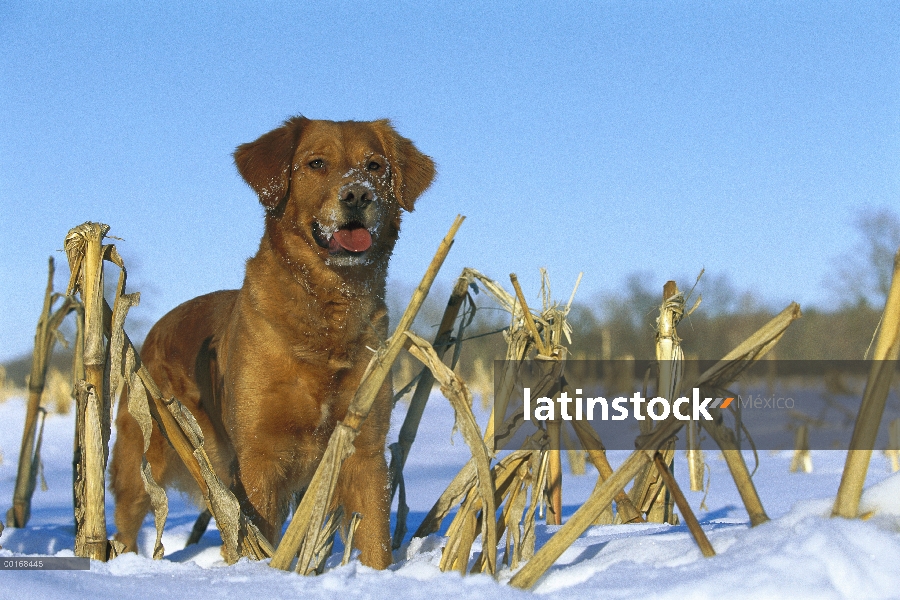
pixel 685 508
pixel 84 248
pixel 868 420
pixel 400 449
pixel 458 394
pixel 45 338
pixel 649 493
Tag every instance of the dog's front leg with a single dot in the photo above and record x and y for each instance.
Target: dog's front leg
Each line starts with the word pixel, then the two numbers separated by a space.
pixel 362 488
pixel 263 496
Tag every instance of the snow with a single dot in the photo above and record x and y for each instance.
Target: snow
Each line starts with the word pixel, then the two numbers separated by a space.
pixel 801 553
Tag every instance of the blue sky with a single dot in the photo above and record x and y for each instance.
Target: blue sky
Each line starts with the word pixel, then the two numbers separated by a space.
pixel 604 137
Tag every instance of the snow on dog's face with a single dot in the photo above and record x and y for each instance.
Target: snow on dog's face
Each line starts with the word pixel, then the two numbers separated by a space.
pixel 334 189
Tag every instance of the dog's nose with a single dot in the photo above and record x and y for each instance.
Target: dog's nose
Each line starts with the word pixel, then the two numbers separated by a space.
pixel 356 196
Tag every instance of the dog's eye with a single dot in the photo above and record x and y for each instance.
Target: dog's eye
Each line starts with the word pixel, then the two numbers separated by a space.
pixel 316 164
pixel 373 165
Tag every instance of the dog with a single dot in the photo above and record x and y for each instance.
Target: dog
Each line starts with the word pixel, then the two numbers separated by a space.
pixel 269 370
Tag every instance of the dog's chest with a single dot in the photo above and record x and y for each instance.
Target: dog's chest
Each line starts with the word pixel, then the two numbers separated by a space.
pixel 334 337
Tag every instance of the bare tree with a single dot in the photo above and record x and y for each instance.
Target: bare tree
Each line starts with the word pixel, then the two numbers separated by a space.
pixel 864 275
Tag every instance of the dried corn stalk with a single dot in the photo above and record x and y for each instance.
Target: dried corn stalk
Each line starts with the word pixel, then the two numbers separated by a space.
pixel 349 531
pixel 84 249
pixel 871 409
pixel 649 494
pixel 458 394
pixel 325 543
pixel 802 458
pixel 514 476
pixel 464 482
pixel 538 469
pixel 576 456
pixel 240 537
pixel 589 439
pixel 400 449
pixel 520 471
pixel 717 376
pixel 546 351
pixel 685 508
pixel 893 451
pixel 45 338
pixel 90 514
pixel 85 252
pixel 694 455
pixel 696 462
pixel 119 359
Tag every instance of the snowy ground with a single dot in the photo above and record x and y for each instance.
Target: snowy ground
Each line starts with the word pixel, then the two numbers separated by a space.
pixel 801 553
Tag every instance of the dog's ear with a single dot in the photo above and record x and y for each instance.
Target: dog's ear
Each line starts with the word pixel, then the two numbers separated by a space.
pixel 266 163
pixel 411 171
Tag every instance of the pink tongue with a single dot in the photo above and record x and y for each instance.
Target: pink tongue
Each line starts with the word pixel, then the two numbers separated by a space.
pixel 357 239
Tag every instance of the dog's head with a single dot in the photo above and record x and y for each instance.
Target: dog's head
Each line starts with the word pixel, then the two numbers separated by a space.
pixel 335 189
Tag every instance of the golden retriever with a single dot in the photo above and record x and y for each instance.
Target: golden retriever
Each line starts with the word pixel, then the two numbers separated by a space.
pixel 269 369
